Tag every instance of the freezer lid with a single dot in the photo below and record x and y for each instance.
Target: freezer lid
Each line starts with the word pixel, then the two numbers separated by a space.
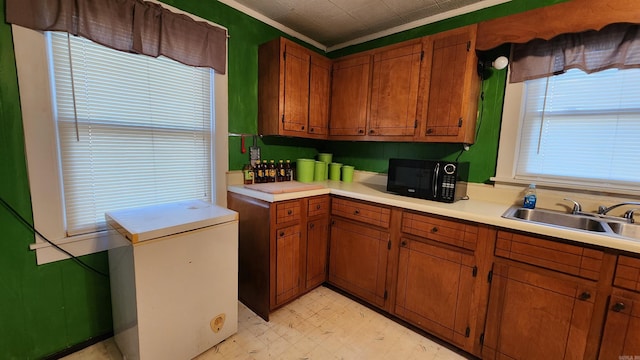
pixel 151 222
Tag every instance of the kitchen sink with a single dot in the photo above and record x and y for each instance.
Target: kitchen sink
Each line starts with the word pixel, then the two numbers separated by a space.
pixel 606 225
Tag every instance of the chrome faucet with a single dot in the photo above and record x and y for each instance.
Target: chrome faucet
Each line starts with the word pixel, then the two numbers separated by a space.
pixel 603 210
pixel 577 208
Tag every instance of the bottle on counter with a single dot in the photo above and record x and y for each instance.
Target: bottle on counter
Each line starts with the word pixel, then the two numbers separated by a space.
pixel 288 171
pixel 247 172
pixel 530 197
pixel 258 173
pixel 281 176
pixel 271 171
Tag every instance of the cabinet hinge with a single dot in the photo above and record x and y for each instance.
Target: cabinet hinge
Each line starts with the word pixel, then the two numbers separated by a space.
pixel 481 338
pixel 415 124
pixel 385 295
pixel 421 55
pixel 389 245
pixel 467 332
pixel 490 276
pixel 284 55
pixel 460 122
pixel 283 118
pixel 468 45
pixel 474 271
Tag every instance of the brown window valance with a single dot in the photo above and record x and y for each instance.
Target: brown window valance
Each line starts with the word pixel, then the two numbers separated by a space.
pixel 615 46
pixel 127 25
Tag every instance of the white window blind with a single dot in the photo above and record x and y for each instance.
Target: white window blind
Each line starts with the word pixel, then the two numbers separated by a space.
pixel 582 128
pixel 133 130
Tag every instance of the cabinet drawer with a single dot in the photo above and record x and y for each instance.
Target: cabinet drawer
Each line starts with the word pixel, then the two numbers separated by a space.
pixel 443 230
pixel 318 206
pixel 287 211
pixel 627 273
pixel 370 214
pixel 570 259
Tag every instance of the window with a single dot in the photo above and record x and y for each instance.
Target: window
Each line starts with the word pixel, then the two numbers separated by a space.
pixel 573 130
pixel 45 163
pixel 132 130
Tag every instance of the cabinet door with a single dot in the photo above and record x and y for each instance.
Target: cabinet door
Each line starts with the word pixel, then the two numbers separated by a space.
pixel 317 247
pixel 358 260
pixel 452 87
pixel 434 289
pixel 394 91
pixel 287 262
pixel 622 328
pixel 534 314
pixel 319 89
pixel 350 96
pixel 296 89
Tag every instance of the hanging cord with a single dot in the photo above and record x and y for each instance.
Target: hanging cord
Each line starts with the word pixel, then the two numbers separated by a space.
pixel 33 229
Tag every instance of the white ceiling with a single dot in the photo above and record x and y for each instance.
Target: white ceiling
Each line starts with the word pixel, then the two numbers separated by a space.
pixel 333 24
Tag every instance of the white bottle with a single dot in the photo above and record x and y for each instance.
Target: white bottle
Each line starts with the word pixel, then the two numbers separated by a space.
pixel 530 197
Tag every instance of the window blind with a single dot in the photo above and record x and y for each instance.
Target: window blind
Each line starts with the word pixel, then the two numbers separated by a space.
pixel 133 130
pixel 583 128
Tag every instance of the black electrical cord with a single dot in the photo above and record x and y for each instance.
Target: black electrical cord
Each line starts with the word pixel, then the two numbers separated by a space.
pixel 36 232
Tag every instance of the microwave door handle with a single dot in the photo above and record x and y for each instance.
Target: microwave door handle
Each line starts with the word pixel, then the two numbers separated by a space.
pixel 436 173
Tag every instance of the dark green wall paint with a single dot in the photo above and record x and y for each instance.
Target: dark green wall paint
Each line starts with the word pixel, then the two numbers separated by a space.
pixel 47 308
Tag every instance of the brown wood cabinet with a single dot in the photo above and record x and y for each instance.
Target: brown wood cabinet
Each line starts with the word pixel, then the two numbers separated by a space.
pixel 442 286
pixel 621 335
pixel 293 90
pixel 546 302
pixel 350 95
pixel 450 87
pixel 282 249
pixel 359 250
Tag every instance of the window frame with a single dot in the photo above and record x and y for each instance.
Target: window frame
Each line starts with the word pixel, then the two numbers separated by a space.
pixel 42 150
pixel 509 150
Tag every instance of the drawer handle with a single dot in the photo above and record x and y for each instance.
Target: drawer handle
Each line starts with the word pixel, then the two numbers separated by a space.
pixel 311 129
pixel 311 226
pixel 318 207
pixel 361 131
pixel 281 233
pixel 619 306
pixel 434 230
pixel 289 212
pixel 585 296
pixel 302 128
pixel 403 243
pixel 356 212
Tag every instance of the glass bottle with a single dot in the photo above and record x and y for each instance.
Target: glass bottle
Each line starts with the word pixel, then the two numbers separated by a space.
pixel 259 172
pixel 247 171
pixel 271 170
pixel 288 171
pixel 281 171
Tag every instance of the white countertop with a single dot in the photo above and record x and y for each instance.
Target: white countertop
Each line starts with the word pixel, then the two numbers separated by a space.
pixel 480 211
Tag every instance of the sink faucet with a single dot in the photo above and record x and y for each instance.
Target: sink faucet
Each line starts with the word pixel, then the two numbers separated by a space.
pixel 577 208
pixel 629 215
pixel 603 210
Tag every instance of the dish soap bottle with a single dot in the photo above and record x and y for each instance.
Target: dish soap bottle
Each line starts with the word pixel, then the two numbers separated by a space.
pixel 530 197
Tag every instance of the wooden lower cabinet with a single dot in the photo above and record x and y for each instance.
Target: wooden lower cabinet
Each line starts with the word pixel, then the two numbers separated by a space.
pixel 358 260
pixel 282 249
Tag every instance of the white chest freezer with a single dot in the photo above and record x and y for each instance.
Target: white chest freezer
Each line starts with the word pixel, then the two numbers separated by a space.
pixel 174 284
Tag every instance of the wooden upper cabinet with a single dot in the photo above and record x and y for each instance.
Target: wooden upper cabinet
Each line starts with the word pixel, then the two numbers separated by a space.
pixel 350 95
pixel 394 90
pixel 449 92
pixel 293 83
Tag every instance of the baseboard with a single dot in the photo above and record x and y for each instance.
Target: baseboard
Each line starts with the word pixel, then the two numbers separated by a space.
pixel 77 347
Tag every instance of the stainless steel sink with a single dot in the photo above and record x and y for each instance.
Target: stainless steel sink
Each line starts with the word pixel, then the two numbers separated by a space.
pixel 582 222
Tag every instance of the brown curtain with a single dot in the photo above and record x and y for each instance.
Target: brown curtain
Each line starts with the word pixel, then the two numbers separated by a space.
pixel 615 46
pixel 127 25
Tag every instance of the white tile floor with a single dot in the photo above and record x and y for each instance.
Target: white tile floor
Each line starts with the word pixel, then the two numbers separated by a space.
pixel 320 325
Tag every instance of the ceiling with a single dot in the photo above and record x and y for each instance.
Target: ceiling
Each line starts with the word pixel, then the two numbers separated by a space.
pixel 333 24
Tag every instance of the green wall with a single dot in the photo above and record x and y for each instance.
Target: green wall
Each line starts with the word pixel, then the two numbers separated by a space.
pixel 47 308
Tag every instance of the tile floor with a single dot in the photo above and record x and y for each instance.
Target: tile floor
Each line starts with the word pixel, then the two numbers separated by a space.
pixel 321 325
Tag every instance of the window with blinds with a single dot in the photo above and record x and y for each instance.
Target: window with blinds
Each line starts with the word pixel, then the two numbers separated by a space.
pixel 582 128
pixel 133 130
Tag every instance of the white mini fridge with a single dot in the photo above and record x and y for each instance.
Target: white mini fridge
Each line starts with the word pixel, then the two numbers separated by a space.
pixel 174 282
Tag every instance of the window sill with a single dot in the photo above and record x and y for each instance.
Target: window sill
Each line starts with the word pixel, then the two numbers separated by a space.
pixel 77 245
pixel 604 189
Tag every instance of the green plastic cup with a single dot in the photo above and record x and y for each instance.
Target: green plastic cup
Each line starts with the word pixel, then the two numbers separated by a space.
pixel 347 173
pixel 305 170
pixel 320 172
pixel 327 158
pixel 334 171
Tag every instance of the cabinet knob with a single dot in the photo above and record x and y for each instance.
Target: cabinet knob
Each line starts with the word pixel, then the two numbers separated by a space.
pixel 434 230
pixel 361 131
pixel 372 131
pixel 289 212
pixel 302 128
pixel 617 307
pixel 281 233
pixel 429 131
pixel 311 226
pixel 310 130
pixel 356 212
pixel 403 243
pixel 585 296
pixel 318 207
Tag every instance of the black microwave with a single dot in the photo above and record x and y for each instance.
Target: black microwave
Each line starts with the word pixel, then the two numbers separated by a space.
pixel 436 180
